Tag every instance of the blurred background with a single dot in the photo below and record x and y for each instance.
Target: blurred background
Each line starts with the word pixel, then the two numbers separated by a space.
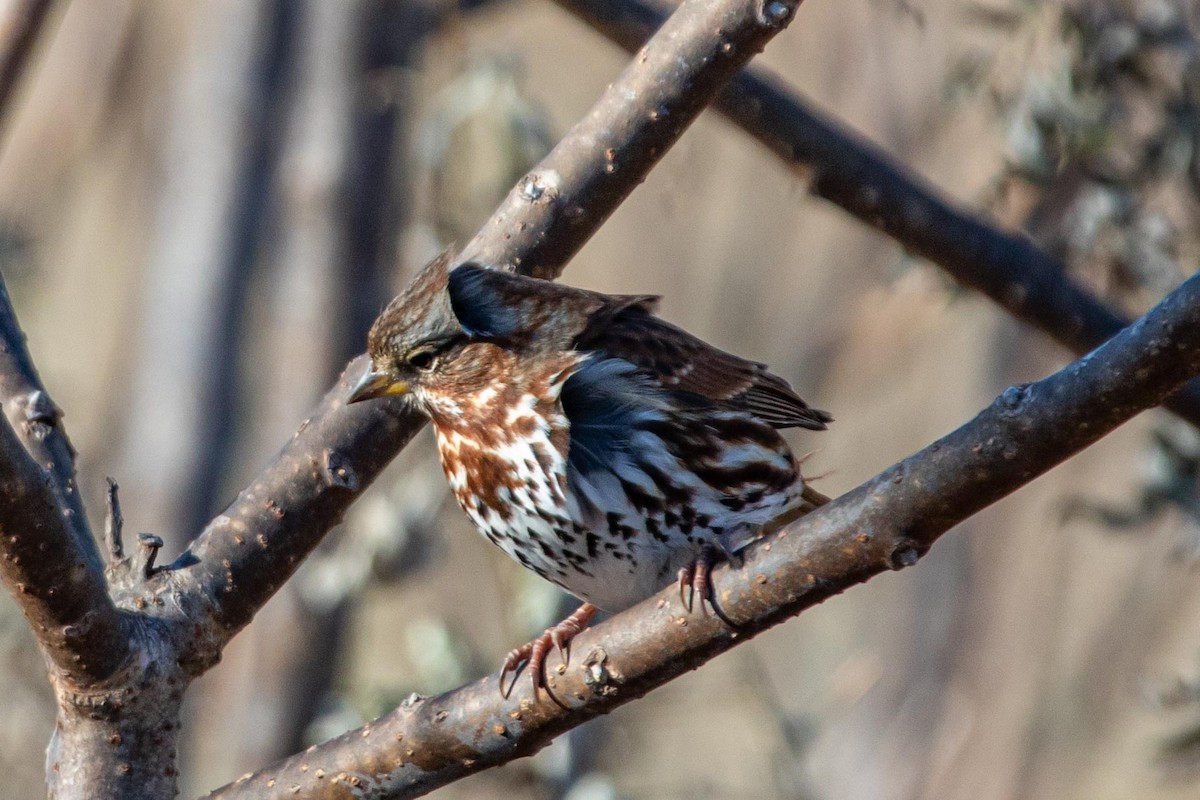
pixel 203 205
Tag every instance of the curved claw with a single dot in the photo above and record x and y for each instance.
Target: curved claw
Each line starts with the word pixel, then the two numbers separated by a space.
pixel 560 644
pixel 687 590
pixel 534 652
pixel 695 580
pixel 512 663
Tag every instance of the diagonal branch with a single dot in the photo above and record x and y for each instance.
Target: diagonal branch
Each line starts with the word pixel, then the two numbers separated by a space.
pixel 557 207
pixel 19 27
pixel 37 422
pixel 62 595
pixel 246 554
pixel 845 169
pixel 889 522
pixel 48 558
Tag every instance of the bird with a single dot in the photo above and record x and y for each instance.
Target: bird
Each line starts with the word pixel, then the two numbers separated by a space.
pixel 595 443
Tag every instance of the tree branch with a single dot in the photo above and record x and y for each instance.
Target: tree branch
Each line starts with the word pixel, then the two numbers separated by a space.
pixel 847 170
pixel 19 31
pixel 60 592
pixel 37 422
pixel 48 558
pixel 557 207
pixel 889 522
pixel 247 553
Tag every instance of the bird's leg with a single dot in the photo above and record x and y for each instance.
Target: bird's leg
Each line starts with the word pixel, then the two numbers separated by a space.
pixel 534 652
pixel 695 578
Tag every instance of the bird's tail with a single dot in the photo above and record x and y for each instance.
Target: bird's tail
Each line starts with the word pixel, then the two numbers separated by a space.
pixel 810 499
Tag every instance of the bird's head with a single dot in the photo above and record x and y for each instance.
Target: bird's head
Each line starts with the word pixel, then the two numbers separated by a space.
pixel 412 338
pixel 454 332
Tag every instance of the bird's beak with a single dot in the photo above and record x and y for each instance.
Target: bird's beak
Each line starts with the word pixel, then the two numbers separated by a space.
pixel 376 384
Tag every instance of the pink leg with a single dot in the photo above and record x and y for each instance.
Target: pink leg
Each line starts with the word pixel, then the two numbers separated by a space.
pixel 534 652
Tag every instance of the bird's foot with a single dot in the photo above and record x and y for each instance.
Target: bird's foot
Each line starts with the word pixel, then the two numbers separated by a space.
pixel 695 579
pixel 558 636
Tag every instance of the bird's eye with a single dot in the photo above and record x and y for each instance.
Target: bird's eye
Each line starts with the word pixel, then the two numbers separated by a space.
pixel 421 359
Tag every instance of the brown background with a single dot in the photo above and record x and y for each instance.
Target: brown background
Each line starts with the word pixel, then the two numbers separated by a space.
pixel 1019 659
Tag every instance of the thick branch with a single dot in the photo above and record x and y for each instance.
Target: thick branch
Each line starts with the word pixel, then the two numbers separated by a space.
pixel 557 207
pixel 247 553
pixel 849 171
pixel 19 29
pixel 63 596
pixel 889 522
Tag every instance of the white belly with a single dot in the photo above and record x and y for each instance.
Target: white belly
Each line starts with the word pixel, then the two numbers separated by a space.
pixel 611 537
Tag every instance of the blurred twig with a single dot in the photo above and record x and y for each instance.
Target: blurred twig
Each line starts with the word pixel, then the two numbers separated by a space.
pixel 1171 481
pixel 847 170
pixel 19 28
pixel 388 36
pixel 481 135
pixel 222 143
pixel 887 523
pixel 219 384
pixel 365 209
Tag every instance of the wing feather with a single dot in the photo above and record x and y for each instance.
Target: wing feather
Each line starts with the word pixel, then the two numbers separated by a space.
pixel 681 362
pixel 552 316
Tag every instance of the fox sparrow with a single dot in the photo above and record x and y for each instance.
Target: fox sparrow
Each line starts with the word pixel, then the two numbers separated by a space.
pixel 601 447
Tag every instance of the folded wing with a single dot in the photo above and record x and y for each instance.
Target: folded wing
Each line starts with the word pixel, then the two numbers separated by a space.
pixel 534 313
pixel 680 362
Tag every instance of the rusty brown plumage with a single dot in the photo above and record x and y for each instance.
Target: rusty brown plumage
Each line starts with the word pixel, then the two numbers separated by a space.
pixel 599 446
